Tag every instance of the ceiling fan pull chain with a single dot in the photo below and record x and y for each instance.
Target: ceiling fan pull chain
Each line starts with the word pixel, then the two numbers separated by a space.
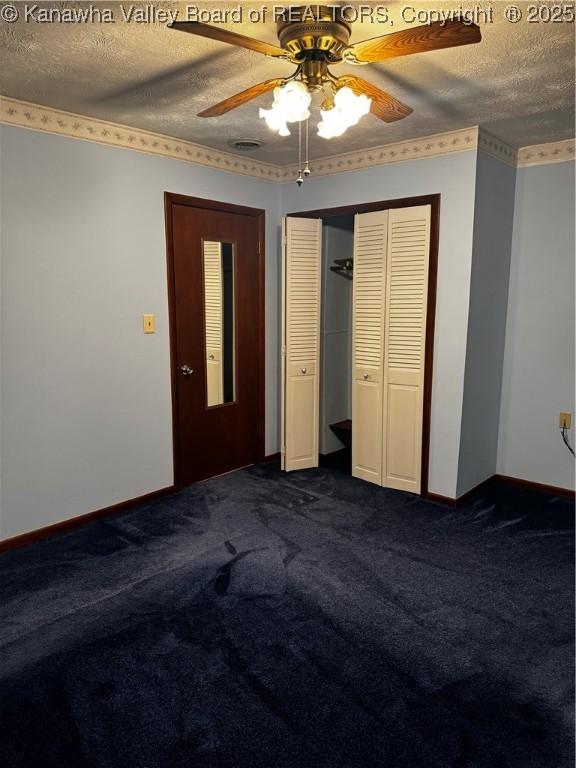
pixel 300 179
pixel 307 170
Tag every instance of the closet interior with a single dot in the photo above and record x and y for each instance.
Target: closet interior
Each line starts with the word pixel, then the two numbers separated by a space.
pixel 337 269
pixel 355 329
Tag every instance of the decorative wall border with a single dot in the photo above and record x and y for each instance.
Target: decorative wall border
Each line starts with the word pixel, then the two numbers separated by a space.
pixel 544 154
pixel 414 149
pixel 36 117
pixel 498 149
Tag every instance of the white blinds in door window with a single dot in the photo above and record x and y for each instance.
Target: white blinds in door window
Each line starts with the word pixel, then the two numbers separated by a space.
pixel 405 337
pixel 213 318
pixel 369 290
pixel 301 339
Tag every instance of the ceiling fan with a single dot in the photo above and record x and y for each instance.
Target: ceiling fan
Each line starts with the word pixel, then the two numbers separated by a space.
pixel 315 40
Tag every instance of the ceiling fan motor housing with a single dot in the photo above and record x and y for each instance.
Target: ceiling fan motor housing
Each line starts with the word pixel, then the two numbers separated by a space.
pixel 318 35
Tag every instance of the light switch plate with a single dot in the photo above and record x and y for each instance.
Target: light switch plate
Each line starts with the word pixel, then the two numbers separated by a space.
pixel 565 421
pixel 149 323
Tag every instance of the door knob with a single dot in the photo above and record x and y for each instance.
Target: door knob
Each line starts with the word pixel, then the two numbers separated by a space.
pixel 185 370
pixel 366 376
pixel 304 370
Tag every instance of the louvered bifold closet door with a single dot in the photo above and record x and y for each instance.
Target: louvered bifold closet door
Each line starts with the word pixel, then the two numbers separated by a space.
pixel 213 318
pixel 301 342
pixel 369 290
pixel 406 307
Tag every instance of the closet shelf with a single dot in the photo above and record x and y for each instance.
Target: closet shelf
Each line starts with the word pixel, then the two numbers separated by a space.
pixel 343 431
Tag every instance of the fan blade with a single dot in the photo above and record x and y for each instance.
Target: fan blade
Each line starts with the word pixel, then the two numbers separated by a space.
pixel 225 36
pixel 383 106
pixel 430 37
pixel 241 98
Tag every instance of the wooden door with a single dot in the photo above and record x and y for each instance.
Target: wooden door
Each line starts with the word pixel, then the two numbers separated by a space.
pixel 218 425
pixel 369 292
pixel 405 342
pixel 301 269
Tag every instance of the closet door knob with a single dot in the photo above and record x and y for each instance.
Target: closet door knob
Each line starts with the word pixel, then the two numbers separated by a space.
pixel 211 357
pixel 366 376
pixel 304 370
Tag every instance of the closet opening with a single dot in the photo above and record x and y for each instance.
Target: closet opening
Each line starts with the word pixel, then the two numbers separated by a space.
pixel 359 302
pixel 335 433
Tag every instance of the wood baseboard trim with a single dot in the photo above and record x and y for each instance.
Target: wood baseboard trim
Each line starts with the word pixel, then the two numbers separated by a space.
pixel 447 501
pixel 554 490
pixel 76 522
pixel 477 488
pixel 457 502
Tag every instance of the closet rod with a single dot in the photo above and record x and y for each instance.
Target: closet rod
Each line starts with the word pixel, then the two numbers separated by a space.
pixel 344 267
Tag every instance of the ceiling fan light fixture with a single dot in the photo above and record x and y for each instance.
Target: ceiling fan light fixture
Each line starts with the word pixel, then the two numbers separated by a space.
pixel 331 126
pixel 275 120
pixel 293 100
pixel 291 105
pixel 347 110
pixel 354 106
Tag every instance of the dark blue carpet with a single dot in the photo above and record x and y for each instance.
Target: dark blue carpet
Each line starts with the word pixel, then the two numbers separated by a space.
pixel 310 620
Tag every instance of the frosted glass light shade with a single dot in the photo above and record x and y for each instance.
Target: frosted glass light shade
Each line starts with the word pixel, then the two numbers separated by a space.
pixel 293 101
pixel 352 105
pixel 275 121
pixel 291 105
pixel 333 123
pixel 347 110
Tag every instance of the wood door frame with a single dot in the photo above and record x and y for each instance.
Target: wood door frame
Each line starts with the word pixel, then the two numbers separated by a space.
pixel 171 199
pixel 408 202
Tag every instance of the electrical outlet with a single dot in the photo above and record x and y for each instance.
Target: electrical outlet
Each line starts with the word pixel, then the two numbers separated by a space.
pixel 149 323
pixel 565 421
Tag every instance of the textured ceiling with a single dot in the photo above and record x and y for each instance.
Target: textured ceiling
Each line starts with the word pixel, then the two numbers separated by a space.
pixel 518 83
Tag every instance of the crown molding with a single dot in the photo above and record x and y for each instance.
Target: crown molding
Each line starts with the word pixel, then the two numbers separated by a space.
pixel 435 145
pixel 544 154
pixel 26 115
pixel 39 118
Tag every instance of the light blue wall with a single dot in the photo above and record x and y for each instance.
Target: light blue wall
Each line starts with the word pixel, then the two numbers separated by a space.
pixel 493 217
pixel 453 176
pixel 85 395
pixel 538 378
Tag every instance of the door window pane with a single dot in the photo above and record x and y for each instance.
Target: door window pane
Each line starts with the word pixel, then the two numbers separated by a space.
pixel 219 322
